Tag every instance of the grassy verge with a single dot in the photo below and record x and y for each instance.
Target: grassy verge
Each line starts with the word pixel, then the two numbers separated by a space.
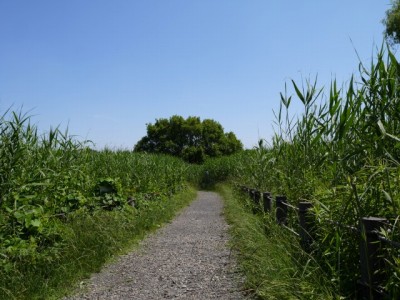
pixel 271 259
pixel 88 242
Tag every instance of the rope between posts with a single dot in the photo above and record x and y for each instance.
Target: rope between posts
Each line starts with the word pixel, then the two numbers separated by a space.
pixel 290 229
pixel 371 257
pixel 351 228
pixel 387 241
pixel 291 206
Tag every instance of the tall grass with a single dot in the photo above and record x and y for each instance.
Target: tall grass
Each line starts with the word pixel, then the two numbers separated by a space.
pixel 343 154
pixel 88 241
pixel 273 263
pixel 63 204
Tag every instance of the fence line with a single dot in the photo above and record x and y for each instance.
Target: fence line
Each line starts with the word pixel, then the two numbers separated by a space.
pixel 371 256
pixel 350 228
pixel 387 241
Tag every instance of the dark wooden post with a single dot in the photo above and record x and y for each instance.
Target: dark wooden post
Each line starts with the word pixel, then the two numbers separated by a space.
pixel 267 201
pixel 257 197
pixel 371 259
pixel 256 201
pixel 251 195
pixel 250 191
pixel 306 224
pixel 281 210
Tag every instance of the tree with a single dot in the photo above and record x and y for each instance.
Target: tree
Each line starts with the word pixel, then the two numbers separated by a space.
pixel 392 23
pixel 191 139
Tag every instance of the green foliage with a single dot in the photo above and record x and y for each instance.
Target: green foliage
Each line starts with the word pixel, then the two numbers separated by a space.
pixel 191 139
pixel 392 23
pixel 272 261
pixel 89 240
pixel 219 169
pixel 47 179
pixel 343 155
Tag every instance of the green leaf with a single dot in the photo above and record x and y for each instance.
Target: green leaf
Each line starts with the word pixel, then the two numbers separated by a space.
pixel 299 94
pixel 36 223
pixel 18 215
pixel 381 127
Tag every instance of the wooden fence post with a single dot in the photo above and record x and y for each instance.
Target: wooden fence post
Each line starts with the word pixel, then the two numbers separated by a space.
pixel 281 210
pixel 306 224
pixel 256 201
pixel 371 260
pixel 267 201
pixel 250 191
pixel 257 197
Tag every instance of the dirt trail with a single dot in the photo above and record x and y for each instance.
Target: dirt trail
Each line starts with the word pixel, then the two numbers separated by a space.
pixel 186 259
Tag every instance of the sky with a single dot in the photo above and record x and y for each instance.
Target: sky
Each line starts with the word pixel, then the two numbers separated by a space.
pixel 105 69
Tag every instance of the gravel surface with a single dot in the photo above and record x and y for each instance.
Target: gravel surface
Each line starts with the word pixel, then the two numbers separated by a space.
pixel 186 259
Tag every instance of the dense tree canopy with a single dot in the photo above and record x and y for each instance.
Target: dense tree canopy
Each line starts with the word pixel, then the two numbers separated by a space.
pixel 392 23
pixel 191 139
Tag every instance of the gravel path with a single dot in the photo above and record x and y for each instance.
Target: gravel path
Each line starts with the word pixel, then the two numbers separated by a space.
pixel 186 259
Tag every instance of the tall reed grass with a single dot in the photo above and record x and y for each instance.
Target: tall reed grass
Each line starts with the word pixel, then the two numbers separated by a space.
pixel 51 181
pixel 272 261
pixel 343 154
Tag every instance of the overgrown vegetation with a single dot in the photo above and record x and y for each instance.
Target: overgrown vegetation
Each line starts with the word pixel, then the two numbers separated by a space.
pixel 66 208
pixel 191 139
pixel 392 23
pixel 273 263
pixel 343 155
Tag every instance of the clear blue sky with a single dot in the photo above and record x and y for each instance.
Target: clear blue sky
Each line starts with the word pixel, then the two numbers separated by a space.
pixel 106 68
